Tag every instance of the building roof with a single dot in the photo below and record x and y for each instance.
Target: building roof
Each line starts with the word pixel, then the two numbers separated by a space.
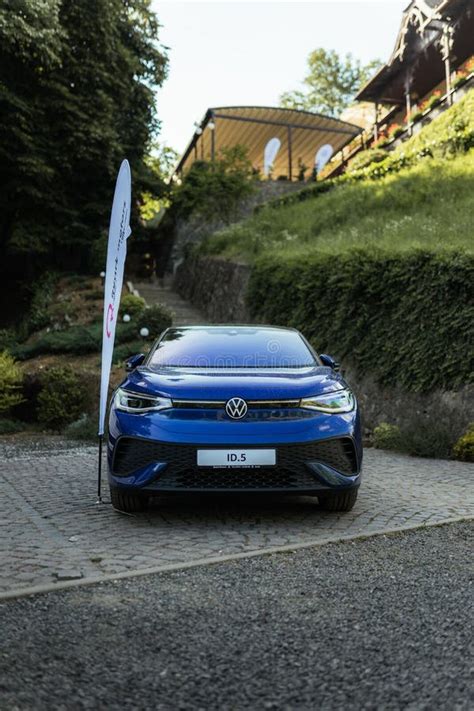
pixel 254 126
pixel 416 60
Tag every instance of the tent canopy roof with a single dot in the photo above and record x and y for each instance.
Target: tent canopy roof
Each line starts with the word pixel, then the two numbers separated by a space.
pixel 301 134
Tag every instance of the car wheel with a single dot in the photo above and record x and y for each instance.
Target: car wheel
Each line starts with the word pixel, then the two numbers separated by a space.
pixel 342 501
pixel 130 503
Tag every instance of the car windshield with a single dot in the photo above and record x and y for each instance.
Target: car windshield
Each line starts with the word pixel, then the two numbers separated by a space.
pixel 227 347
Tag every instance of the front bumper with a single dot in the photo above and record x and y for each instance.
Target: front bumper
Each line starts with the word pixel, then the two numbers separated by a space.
pixel 157 453
pixel 309 467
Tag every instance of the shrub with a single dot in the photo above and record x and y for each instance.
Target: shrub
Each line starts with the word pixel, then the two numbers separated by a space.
pixel 396 130
pixel 367 157
pixel 387 436
pixel 464 447
pixel 8 426
pixel 121 353
pixel 131 305
pixel 459 79
pixel 430 434
pixel 156 318
pixel 98 255
pixel 215 188
pixel 62 398
pixel 38 316
pixel 421 434
pixel 11 379
pixel 432 101
pixel 76 340
pixel 8 339
pixel 84 429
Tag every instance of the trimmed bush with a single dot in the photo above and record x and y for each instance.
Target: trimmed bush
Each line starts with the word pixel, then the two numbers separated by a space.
pixel 62 398
pixel 11 379
pixel 156 318
pixel 464 447
pixel 406 318
pixel 131 305
pixel 8 426
pixel 387 436
pixel 76 340
pixel 421 434
pixel 430 434
pixel 84 429
pixel 121 353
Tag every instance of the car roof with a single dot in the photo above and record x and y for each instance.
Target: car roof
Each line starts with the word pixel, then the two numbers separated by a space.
pixel 230 327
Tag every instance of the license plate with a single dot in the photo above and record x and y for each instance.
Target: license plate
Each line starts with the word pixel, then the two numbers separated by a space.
pixel 236 457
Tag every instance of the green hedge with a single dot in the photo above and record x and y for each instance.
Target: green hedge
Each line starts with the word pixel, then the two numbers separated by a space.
pixel 404 318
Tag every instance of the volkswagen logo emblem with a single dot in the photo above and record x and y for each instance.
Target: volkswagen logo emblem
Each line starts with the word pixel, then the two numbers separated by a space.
pixel 236 408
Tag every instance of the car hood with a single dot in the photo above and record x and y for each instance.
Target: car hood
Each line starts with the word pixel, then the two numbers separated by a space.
pixel 222 384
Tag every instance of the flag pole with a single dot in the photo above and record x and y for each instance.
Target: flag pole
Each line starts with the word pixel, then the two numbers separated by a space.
pixel 99 471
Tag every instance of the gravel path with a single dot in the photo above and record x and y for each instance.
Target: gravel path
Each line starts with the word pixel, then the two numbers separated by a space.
pixel 377 624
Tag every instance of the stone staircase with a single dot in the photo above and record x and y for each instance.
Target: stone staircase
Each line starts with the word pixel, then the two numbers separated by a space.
pixel 184 314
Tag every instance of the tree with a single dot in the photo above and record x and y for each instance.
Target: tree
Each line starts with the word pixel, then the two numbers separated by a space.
pixel 214 188
pixel 77 95
pixel 331 83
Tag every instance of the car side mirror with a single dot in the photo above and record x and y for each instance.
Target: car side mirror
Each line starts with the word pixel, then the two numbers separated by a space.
pixel 329 361
pixel 134 361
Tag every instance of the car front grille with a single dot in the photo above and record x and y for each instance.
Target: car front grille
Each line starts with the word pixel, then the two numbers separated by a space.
pixel 251 404
pixel 182 473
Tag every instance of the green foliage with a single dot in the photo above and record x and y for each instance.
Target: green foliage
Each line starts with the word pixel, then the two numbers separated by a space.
pixel 8 339
pixel 77 83
pixel 84 429
pixel 156 318
pixel 121 353
pixel 331 83
pixel 464 447
pixel 42 294
pixel 406 318
pixel 448 135
pixel 131 305
pixel 426 206
pixel 214 189
pixel 11 379
pixel 428 434
pixel 62 398
pixel 386 436
pixel 97 260
pixel 8 426
pixel 366 158
pixel 76 340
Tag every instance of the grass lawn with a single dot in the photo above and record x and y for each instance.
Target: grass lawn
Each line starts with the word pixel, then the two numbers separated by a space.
pixel 430 205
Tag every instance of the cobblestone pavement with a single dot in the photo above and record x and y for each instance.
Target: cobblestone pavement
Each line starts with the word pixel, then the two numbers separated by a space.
pixel 53 531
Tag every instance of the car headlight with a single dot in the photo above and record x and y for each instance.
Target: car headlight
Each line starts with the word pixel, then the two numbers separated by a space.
pixel 136 402
pixel 331 403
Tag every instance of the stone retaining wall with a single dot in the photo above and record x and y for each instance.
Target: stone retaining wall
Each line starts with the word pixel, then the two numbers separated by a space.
pixel 216 286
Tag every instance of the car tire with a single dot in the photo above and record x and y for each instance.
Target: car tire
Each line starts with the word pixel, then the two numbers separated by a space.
pixel 342 501
pixel 129 503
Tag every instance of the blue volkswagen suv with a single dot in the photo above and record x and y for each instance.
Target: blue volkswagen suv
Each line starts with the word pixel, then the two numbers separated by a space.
pixel 233 409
